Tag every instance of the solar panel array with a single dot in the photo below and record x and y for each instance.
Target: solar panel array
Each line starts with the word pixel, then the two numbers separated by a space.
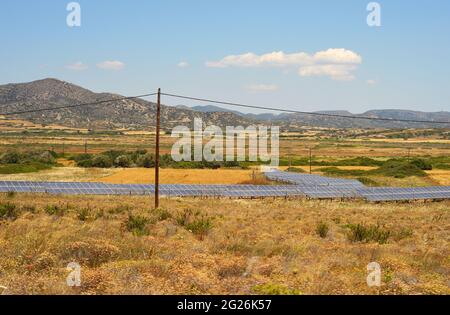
pixel 311 180
pixel 298 185
pixel 398 194
pixel 75 188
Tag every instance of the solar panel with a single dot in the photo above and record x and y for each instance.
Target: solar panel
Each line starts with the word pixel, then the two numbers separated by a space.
pixel 300 185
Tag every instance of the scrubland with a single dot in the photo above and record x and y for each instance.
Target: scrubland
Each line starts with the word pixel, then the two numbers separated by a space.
pixel 211 246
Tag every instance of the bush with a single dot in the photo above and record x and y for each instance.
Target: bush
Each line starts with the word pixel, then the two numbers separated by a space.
pixel 10 158
pixel 54 210
pixel 147 161
pixel 122 161
pixel 137 225
pixel 83 214
pixel 196 223
pixel 399 169
pixel 102 161
pixel 162 214
pixel 365 234
pixel 8 211
pixel 23 168
pixel 368 182
pixel 274 289
pixel 322 229
pixel 422 164
pixel 295 170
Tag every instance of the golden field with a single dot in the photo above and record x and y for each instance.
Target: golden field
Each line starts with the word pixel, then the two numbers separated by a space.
pixel 248 246
pixel 179 176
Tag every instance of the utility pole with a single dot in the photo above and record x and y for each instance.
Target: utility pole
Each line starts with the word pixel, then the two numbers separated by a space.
pixel 158 126
pixel 310 160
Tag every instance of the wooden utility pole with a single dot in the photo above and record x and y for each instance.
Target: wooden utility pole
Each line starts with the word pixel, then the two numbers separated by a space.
pixel 158 126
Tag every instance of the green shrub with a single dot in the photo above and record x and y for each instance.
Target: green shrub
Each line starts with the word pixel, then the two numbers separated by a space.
pixel 137 224
pixel 274 289
pixel 8 211
pixel 54 210
pixel 122 161
pixel 200 226
pixel 295 170
pixel 83 214
pixel 399 169
pixel 442 166
pixel 195 222
pixel 162 214
pixel 422 164
pixel 322 229
pixel 368 182
pixel 102 161
pixel 362 233
pixel 23 168
pixel 147 161
pixel 10 158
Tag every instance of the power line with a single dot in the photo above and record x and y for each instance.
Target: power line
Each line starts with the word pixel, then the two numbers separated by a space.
pixel 75 105
pixel 302 112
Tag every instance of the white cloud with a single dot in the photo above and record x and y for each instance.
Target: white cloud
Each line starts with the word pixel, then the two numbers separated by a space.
pixel 111 65
pixel 262 87
pixel 183 64
pixel 336 63
pixel 335 72
pixel 77 66
pixel 371 82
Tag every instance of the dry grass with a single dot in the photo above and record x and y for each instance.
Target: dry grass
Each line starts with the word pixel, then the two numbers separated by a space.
pixel 71 174
pixel 179 176
pixel 248 246
pixel 441 177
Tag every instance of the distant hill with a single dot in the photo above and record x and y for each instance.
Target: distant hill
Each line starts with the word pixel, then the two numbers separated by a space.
pixel 140 114
pixel 131 114
pixel 292 120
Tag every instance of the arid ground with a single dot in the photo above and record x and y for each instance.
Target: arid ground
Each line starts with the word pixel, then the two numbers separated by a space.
pixel 195 246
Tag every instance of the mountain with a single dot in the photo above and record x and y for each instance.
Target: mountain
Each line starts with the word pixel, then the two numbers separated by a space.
pixel 139 114
pixel 293 121
pixel 131 113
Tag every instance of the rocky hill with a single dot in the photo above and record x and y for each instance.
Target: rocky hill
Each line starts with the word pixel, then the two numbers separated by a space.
pixel 130 114
pixel 140 114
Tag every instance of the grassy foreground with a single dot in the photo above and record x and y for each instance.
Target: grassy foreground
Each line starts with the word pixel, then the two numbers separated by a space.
pixel 193 246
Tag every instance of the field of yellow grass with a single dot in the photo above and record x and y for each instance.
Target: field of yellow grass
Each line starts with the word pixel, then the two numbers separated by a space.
pixel 179 176
pixel 208 246
pixel 61 174
pixel 441 177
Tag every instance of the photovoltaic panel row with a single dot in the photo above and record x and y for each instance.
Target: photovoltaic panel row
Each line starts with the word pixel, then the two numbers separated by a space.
pixel 393 194
pixel 310 179
pixel 344 190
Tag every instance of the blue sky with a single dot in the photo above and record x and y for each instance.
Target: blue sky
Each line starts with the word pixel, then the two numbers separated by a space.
pixel 332 59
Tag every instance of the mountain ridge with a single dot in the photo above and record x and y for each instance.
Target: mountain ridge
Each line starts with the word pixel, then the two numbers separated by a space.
pixel 140 114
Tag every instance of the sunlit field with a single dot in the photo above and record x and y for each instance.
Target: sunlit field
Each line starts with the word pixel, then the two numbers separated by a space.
pixel 209 246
